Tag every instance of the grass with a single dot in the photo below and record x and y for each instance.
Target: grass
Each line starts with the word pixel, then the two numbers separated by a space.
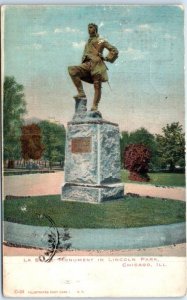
pixel 124 213
pixel 165 179
pixel 25 172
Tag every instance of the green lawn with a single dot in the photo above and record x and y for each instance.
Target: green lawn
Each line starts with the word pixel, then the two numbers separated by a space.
pixel 26 172
pixel 127 212
pixel 166 179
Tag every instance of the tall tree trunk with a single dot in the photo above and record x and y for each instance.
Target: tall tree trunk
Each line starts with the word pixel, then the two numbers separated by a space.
pixel 11 164
pixel 172 167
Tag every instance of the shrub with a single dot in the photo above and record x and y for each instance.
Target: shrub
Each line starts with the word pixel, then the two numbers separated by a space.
pixel 136 160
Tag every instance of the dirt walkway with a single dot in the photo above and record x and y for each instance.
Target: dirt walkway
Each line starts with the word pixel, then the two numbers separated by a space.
pixel 50 184
pixel 172 250
pixel 175 193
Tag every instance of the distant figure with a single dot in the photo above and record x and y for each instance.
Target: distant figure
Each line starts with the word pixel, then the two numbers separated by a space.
pixel 93 69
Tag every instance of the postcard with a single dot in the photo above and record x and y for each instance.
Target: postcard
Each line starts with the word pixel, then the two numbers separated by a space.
pixel 93 151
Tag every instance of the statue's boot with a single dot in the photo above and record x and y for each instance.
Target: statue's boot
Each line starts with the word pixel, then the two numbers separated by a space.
pixel 97 95
pixel 78 83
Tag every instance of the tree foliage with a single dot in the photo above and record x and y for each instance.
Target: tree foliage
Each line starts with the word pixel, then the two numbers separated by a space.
pixel 144 137
pixel 14 107
pixel 171 145
pixel 124 142
pixel 136 160
pixel 53 139
pixel 31 142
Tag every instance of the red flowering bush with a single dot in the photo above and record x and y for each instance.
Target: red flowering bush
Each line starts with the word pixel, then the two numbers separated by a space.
pixel 31 142
pixel 136 160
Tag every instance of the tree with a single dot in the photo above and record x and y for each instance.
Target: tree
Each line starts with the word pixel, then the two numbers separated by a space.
pixel 144 137
pixel 171 145
pixel 31 142
pixel 14 107
pixel 124 141
pixel 53 138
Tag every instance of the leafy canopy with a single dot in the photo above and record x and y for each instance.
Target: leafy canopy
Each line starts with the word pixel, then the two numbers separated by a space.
pixel 171 145
pixel 53 139
pixel 14 107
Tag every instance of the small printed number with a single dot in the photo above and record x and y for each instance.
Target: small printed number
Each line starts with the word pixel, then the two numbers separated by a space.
pixel 19 291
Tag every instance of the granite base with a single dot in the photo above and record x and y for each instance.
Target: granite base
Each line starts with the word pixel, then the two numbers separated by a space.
pixel 92 194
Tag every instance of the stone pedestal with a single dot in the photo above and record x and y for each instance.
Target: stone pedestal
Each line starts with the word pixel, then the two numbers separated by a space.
pixel 92 159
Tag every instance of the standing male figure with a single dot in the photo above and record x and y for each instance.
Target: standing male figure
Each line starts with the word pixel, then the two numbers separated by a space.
pixel 93 69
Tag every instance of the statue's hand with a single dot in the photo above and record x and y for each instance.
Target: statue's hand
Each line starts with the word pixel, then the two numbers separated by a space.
pixel 101 56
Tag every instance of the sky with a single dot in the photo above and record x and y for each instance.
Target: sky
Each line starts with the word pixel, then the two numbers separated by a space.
pixel 147 80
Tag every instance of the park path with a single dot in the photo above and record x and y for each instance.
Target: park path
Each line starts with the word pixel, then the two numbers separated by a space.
pixel 33 184
pixel 50 184
pixel 175 193
pixel 171 250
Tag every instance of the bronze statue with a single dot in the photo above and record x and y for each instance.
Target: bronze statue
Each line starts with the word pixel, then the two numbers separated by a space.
pixel 93 68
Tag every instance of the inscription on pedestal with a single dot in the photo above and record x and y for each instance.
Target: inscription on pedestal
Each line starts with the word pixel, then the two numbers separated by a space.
pixel 81 145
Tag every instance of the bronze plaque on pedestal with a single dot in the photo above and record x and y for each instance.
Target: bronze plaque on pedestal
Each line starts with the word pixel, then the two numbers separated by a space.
pixel 81 145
